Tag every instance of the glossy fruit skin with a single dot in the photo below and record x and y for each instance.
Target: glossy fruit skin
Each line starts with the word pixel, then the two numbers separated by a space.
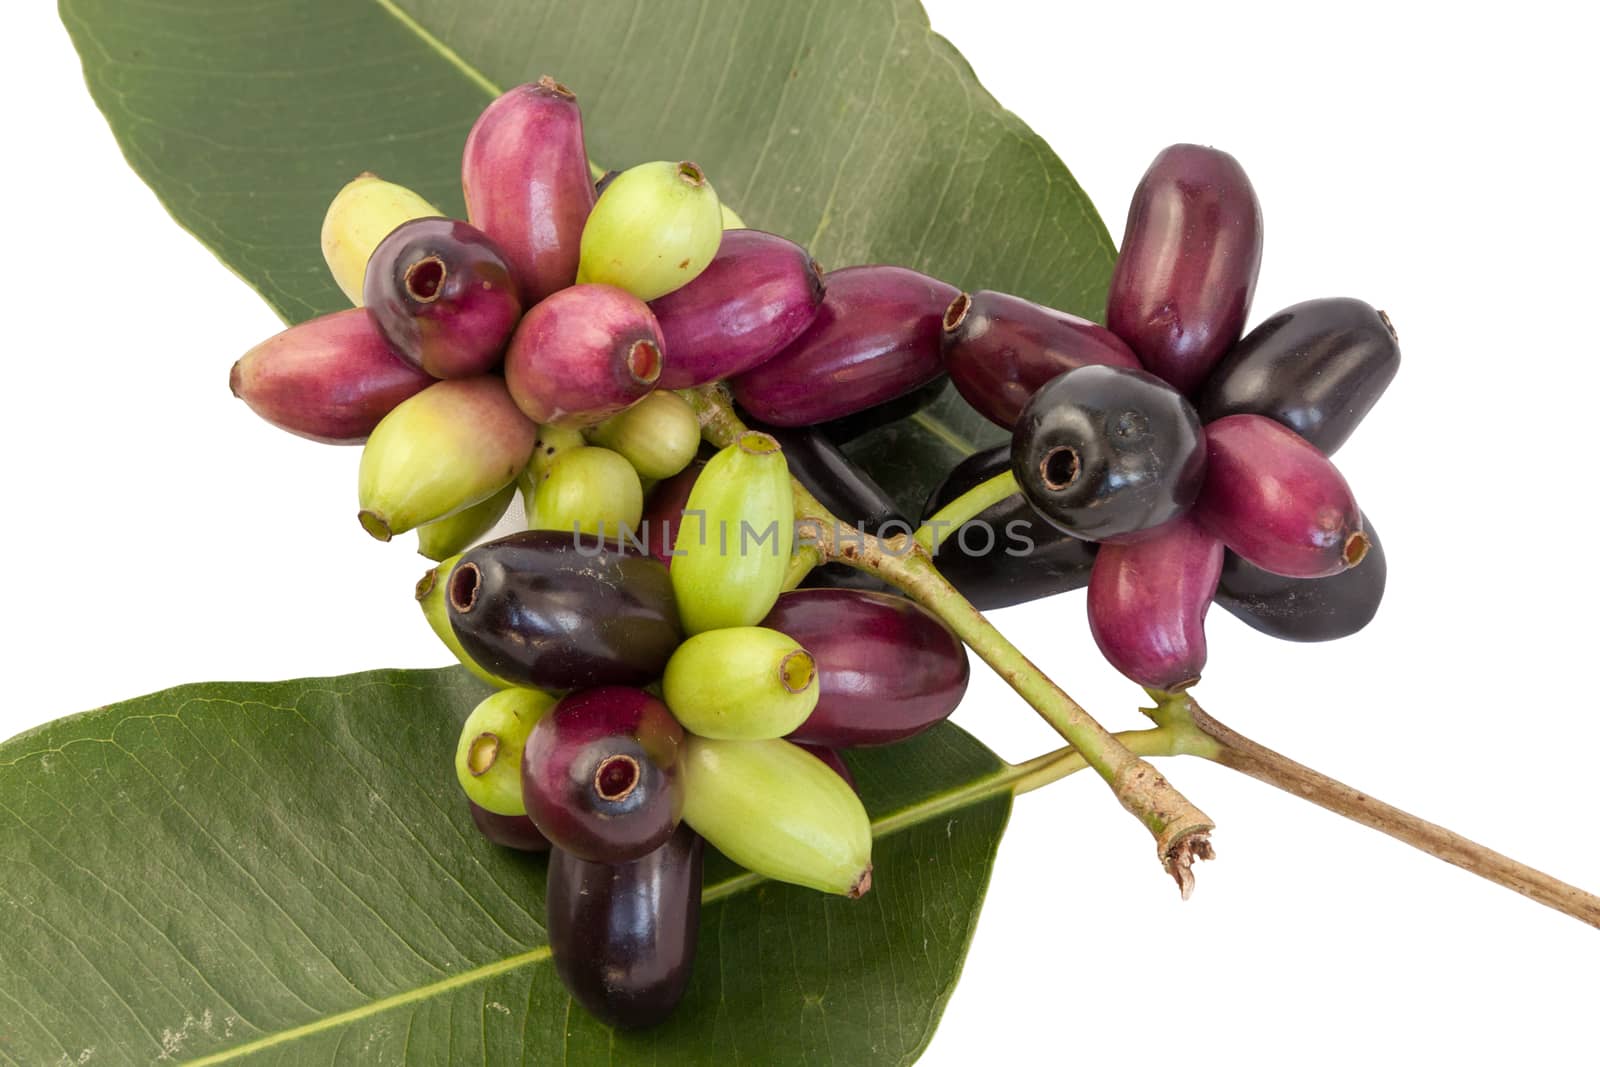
pixel 1277 501
pixel 888 667
pixel 591 490
pixel 1317 367
pixel 453 445
pixel 1181 288
pixel 582 355
pixel 659 435
pixel 1000 349
pixel 1027 557
pixel 489 750
pixel 1108 453
pixel 663 511
pixel 331 379
pixel 777 810
pixel 741 683
pixel 525 176
pixel 553 611
pixel 508 831
pixel 759 292
pixel 1306 609
pixel 735 538
pixel 1148 603
pixel 876 337
pixel 430 593
pixel 443 296
pixel 361 215
pixel 600 774
pixel 622 936
pixel 443 538
pixel 656 227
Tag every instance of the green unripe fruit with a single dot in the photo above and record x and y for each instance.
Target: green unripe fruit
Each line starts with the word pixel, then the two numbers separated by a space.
pixel 731 219
pixel 458 532
pixel 489 754
pixel 775 809
pixel 592 490
pixel 735 538
pixel 746 683
pixel 362 214
pixel 451 446
pixel 436 609
pixel 551 442
pixel 659 435
pixel 653 230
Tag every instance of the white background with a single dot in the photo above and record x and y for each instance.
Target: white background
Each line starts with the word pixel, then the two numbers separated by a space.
pixel 1438 165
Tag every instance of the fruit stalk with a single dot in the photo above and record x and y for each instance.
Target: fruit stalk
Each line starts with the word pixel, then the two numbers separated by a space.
pixel 1181 830
pixel 1212 740
pixel 964 508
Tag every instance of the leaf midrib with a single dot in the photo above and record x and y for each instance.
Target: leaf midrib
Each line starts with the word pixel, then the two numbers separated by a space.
pixel 997 783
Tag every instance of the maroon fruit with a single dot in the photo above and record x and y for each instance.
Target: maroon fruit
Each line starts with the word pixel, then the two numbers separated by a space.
pixel 663 511
pixel 1148 601
pixel 1182 284
pixel 525 175
pixel 887 667
pixel 1277 501
pixel 556 610
pixel 759 293
pixel 443 295
pixel 600 774
pixel 999 349
pixel 875 338
pixel 583 355
pixel 622 936
pixel 509 831
pixel 331 379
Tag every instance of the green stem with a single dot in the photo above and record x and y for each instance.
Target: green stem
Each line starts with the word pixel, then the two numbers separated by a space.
pixel 1181 830
pixel 965 508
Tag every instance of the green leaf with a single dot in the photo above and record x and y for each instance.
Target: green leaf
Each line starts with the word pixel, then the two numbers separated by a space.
pixel 849 126
pixel 285 873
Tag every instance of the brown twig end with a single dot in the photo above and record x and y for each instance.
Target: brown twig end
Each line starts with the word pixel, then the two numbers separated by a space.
pixel 1180 860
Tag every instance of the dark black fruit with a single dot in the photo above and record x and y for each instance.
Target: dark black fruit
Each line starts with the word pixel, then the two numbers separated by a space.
pixel 1107 453
pixel 623 936
pixel 556 610
pixel 1316 367
pixel 1007 554
pixel 1306 609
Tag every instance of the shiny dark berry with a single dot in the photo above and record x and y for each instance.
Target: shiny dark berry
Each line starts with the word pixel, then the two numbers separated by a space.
pixel 1107 453
pixel 622 936
pixel 1316 367
pixel 555 610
